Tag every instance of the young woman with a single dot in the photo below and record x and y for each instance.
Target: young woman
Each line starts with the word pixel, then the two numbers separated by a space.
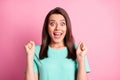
pixel 57 58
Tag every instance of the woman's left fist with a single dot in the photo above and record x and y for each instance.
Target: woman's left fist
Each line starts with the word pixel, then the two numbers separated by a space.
pixel 81 50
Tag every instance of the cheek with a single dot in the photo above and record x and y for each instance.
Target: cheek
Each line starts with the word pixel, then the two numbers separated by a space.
pixel 50 30
pixel 65 30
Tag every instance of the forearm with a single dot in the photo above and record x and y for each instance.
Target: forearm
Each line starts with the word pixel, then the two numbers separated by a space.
pixel 81 75
pixel 30 69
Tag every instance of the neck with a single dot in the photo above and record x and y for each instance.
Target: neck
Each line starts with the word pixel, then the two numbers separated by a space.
pixel 57 45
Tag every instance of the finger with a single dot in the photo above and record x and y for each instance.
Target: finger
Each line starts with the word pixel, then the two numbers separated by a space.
pixel 25 46
pixel 32 42
pixel 79 45
pixel 82 47
pixel 30 45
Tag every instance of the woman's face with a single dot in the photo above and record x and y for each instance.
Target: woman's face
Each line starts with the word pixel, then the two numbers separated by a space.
pixel 57 28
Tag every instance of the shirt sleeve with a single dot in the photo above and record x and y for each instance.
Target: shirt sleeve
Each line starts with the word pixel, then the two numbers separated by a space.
pixel 87 67
pixel 36 62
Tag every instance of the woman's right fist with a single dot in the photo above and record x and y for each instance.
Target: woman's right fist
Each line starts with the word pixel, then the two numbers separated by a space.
pixel 30 48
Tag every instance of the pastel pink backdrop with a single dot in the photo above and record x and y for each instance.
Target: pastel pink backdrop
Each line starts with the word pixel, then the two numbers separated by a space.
pixel 95 22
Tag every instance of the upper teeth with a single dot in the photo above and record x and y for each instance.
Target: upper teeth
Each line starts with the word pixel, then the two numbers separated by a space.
pixel 58 33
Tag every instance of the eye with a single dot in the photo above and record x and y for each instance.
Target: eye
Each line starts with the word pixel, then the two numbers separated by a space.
pixel 62 23
pixel 52 23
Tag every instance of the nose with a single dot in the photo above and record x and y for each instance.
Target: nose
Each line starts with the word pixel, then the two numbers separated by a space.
pixel 57 27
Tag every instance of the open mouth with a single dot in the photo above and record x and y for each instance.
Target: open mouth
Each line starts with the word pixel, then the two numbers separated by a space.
pixel 57 34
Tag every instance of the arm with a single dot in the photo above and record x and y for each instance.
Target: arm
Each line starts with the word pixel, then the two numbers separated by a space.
pixel 82 75
pixel 30 75
pixel 81 52
pixel 30 50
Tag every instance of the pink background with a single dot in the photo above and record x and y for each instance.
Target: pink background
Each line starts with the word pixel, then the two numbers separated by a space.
pixel 95 22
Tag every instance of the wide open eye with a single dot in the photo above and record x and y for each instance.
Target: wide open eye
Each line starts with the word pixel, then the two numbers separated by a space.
pixel 52 24
pixel 62 24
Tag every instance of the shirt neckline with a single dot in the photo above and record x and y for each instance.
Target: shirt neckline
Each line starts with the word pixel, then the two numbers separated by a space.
pixel 57 49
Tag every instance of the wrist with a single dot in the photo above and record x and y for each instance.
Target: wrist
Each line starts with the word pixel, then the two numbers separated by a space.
pixel 81 59
pixel 30 57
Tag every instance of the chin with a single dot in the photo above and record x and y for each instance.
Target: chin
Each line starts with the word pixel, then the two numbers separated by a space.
pixel 57 41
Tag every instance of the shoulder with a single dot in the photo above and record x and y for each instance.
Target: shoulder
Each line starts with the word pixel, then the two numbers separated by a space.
pixel 76 46
pixel 37 50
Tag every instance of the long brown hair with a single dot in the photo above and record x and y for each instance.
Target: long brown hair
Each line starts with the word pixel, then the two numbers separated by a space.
pixel 68 40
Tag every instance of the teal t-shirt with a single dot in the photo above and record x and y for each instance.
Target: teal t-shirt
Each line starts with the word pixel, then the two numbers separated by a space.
pixel 56 66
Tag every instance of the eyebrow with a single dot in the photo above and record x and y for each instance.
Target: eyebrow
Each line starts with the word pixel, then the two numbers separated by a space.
pixel 60 20
pixel 51 20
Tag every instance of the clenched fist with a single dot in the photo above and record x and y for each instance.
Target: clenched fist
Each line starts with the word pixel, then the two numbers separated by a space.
pixel 30 48
pixel 81 51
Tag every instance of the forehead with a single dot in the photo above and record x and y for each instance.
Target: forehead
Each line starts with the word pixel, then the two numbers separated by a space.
pixel 56 17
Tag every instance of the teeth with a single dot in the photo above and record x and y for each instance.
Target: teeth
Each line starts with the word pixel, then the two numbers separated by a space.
pixel 57 34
